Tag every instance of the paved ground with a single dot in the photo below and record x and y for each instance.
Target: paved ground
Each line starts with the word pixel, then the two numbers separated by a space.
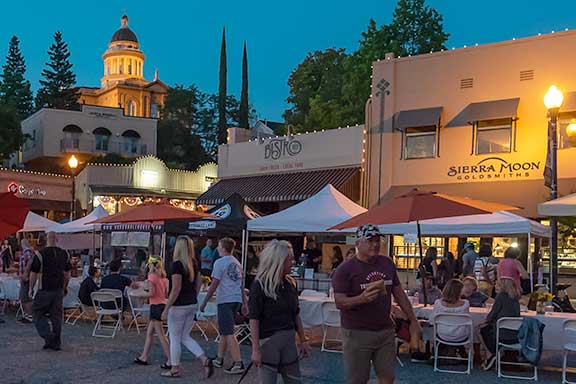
pixel 85 359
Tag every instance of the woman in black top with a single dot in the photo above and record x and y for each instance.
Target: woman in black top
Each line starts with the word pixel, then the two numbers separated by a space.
pixel 181 307
pixel 337 257
pixel 274 316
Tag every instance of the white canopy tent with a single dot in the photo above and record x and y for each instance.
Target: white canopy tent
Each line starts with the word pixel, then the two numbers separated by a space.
pixel 37 223
pixel 498 223
pixel 563 206
pixel 83 224
pixel 313 215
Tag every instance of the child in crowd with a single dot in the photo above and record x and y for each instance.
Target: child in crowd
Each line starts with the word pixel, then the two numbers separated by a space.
pixel 432 291
pixel 471 293
pixel 450 302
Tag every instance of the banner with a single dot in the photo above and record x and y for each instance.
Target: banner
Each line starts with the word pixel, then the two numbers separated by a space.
pixel 548 166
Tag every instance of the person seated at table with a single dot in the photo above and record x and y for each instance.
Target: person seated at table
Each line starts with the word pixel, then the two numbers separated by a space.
pixel 471 293
pixel 88 286
pixel 451 303
pixel 116 281
pixel 74 263
pixel 505 305
pixel 432 291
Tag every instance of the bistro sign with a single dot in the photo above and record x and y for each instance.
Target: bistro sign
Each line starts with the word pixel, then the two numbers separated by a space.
pixel 494 168
pixel 277 148
pixel 25 190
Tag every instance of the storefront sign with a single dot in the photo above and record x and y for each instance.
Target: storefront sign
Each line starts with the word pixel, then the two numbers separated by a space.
pixel 26 190
pixel 284 147
pixel 202 224
pixel 494 168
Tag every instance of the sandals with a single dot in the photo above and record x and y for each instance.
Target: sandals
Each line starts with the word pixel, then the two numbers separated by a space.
pixel 208 368
pixel 140 362
pixel 165 366
pixel 487 365
pixel 171 374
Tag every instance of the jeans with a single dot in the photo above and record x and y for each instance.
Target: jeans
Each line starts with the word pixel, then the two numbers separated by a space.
pixel 49 302
pixel 180 323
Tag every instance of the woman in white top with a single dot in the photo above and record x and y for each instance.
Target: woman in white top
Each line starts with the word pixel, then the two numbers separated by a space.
pixel 451 303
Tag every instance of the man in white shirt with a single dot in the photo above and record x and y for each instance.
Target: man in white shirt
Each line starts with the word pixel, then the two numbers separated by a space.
pixel 227 282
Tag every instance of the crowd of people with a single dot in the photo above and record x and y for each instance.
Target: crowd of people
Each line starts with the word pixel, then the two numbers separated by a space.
pixel 366 287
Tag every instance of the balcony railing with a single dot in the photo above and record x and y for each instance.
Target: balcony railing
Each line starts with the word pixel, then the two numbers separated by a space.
pixel 127 148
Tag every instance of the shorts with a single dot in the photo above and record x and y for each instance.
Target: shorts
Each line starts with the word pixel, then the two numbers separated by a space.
pixel 227 317
pixel 23 294
pixel 363 348
pixel 156 311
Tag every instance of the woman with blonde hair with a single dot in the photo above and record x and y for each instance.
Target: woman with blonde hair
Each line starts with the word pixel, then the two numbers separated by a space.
pixel 506 305
pixel 181 307
pixel 274 318
pixel 157 292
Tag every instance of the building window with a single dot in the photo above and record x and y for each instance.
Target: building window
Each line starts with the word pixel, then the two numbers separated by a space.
pixel 131 142
pixel 420 142
pixel 121 67
pixel 131 108
pixel 130 67
pixel 493 136
pixel 71 137
pixel 565 141
pixel 154 110
pixel 102 139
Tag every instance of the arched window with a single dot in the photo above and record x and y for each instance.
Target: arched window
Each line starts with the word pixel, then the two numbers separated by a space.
pixel 129 66
pixel 131 142
pixel 71 137
pixel 131 108
pixel 102 139
pixel 121 67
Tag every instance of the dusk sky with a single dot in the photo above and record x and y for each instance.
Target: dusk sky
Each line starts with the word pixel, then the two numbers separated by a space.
pixel 182 38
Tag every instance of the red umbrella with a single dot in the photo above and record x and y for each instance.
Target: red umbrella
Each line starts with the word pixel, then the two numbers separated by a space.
pixel 13 211
pixel 152 213
pixel 421 205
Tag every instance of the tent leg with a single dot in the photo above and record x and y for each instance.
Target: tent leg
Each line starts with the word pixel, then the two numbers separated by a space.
pixel 162 245
pixel 244 254
pixel 422 270
pixel 530 266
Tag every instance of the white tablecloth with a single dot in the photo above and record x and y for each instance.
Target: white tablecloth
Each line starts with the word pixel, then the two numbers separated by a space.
pixel 311 310
pixel 553 334
pixel 12 286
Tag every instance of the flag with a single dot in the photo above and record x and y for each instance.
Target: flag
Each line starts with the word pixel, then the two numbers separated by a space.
pixel 548 166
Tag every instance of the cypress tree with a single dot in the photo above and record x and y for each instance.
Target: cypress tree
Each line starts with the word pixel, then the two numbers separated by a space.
pixel 244 121
pixel 222 124
pixel 14 88
pixel 57 89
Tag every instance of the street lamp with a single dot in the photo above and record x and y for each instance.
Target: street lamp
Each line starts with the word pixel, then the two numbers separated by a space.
pixel 571 132
pixel 553 101
pixel 73 164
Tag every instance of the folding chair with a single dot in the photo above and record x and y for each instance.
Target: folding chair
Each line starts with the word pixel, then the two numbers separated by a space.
pixel 569 330
pixel 312 293
pixel 3 297
pixel 106 308
pixel 330 319
pixel 451 320
pixel 513 324
pixel 208 316
pixel 73 316
pixel 138 310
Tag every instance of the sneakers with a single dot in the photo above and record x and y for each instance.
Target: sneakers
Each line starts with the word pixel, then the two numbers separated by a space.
pixel 236 368
pixel 218 362
pixel 419 357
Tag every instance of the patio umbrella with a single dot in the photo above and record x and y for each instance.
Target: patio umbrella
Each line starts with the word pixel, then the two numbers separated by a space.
pixel 563 206
pixel 13 212
pixel 422 205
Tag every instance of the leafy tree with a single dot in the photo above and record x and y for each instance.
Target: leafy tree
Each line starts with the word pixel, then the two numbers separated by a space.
pixel 14 88
pixel 11 137
pixel 417 28
pixel 222 128
pixel 57 89
pixel 110 158
pixel 318 77
pixel 244 108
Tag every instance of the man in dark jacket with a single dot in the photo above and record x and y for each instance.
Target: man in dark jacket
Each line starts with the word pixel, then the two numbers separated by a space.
pixel 88 286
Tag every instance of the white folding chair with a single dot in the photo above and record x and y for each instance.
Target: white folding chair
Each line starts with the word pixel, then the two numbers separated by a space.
pixel 207 317
pixel 330 319
pixel 138 309
pixel 242 332
pixel 312 293
pixel 106 308
pixel 512 324
pixel 569 330
pixel 73 316
pixel 451 320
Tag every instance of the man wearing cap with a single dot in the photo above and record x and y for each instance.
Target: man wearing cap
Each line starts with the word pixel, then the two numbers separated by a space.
pixel 363 290
pixel 469 259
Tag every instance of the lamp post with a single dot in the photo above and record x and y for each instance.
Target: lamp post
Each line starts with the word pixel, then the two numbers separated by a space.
pixel 553 101
pixel 382 92
pixel 73 164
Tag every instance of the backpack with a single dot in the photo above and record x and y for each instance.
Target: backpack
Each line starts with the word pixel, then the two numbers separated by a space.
pixel 530 338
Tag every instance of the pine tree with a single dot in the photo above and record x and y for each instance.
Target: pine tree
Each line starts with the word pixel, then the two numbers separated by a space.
pixel 222 126
pixel 11 137
pixel 14 88
pixel 244 108
pixel 57 89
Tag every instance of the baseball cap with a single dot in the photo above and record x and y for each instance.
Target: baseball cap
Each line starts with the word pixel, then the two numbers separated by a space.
pixel 367 231
pixel 469 245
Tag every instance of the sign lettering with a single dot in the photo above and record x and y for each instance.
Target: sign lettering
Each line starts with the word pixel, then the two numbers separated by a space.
pixel 26 191
pixel 277 148
pixel 493 168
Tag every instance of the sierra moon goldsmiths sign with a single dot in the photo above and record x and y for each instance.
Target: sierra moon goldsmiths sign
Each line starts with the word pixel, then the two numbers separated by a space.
pixel 495 168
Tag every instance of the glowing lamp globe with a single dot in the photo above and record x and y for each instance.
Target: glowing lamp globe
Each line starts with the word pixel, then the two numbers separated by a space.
pixel 553 98
pixel 571 129
pixel 73 162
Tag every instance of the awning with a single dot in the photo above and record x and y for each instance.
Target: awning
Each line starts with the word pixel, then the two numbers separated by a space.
pixel 487 110
pixel 414 118
pixel 294 186
pixel 110 190
pixel 569 103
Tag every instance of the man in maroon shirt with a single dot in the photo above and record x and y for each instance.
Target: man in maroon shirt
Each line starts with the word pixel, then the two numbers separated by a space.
pixel 365 305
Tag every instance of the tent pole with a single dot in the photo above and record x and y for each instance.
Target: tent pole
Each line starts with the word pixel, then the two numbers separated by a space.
pixel 530 267
pixel 244 255
pixel 422 269
pixel 162 245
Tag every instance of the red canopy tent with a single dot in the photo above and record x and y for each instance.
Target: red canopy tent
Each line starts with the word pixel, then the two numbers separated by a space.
pixel 422 205
pixel 13 212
